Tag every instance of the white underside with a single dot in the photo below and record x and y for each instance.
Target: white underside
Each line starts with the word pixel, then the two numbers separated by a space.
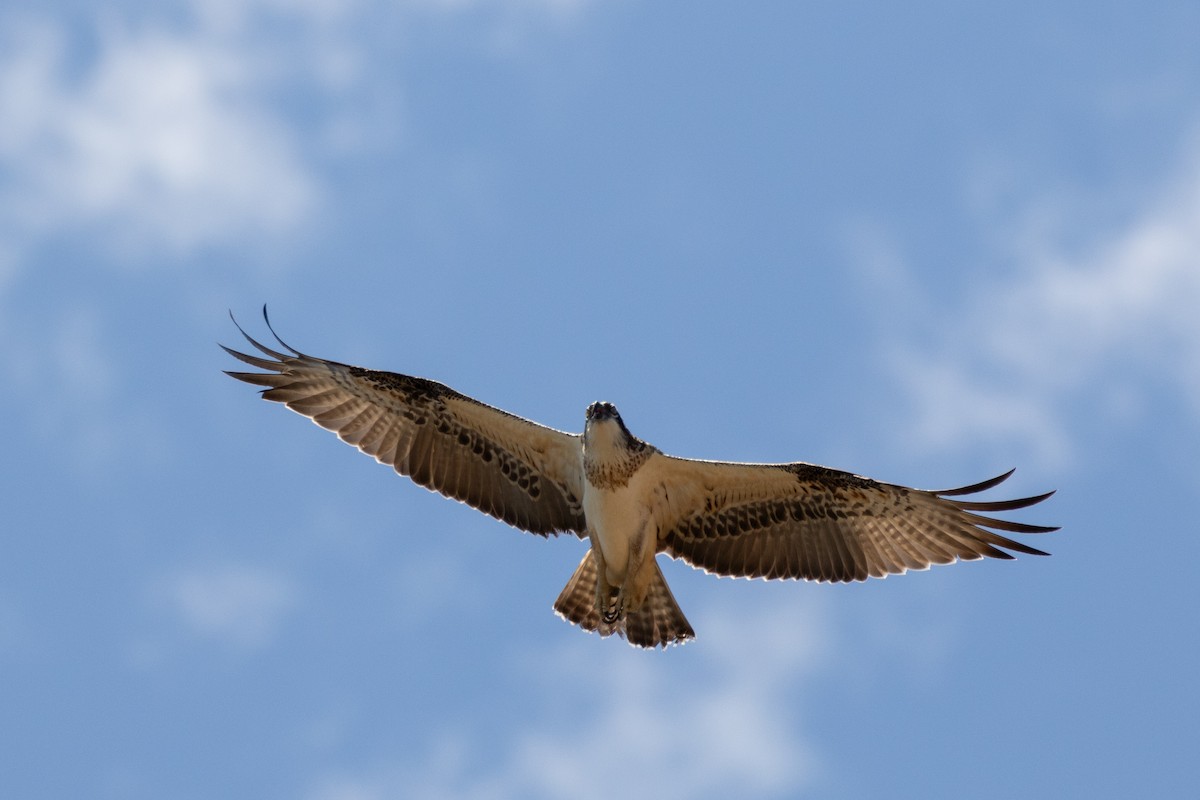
pixel 621 521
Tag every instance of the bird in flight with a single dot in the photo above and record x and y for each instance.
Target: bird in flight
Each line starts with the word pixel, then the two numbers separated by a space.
pixel 631 501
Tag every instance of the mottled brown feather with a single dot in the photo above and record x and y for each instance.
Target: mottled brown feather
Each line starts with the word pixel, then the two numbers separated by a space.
pixel 801 521
pixel 516 470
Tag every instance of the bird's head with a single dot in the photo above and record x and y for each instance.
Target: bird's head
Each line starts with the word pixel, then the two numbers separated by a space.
pixel 604 423
pixel 599 411
pixel 605 437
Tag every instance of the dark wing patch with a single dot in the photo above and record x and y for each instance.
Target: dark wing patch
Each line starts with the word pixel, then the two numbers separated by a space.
pixel 840 527
pixel 511 468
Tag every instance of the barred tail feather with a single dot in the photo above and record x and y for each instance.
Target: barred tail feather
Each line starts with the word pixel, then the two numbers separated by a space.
pixel 577 601
pixel 658 623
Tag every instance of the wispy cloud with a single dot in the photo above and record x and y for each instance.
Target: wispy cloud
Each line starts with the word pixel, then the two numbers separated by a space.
pixel 166 131
pixel 1082 326
pixel 674 740
pixel 236 604
pixel 720 723
pixel 160 139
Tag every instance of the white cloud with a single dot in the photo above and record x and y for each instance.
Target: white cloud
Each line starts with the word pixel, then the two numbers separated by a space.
pixel 1076 327
pixel 154 129
pixel 236 604
pixel 728 732
pixel 159 140
pixel 721 719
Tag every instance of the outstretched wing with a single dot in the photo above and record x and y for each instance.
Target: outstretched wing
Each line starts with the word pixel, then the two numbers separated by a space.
pixel 806 521
pixel 518 471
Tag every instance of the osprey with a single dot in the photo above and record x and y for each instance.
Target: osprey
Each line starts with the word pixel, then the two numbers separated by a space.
pixel 631 500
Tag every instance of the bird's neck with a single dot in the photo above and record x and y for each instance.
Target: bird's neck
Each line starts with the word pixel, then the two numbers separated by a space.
pixel 611 454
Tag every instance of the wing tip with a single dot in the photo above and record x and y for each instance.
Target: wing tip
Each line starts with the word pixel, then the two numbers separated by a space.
pixel 975 488
pixel 968 506
pixel 285 345
pixel 262 348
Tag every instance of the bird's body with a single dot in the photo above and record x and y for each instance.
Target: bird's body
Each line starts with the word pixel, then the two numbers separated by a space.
pixel 631 501
pixel 620 498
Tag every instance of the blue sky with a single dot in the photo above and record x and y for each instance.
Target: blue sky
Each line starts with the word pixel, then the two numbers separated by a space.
pixel 924 243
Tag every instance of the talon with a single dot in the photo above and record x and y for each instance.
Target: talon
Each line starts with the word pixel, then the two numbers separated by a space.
pixel 615 607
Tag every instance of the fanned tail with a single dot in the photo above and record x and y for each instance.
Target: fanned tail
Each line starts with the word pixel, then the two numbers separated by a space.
pixel 658 623
pixel 577 601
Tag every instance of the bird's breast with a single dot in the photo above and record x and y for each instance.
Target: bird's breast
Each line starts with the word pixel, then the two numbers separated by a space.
pixel 615 518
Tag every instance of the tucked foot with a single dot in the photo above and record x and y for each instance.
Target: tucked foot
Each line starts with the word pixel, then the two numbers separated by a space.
pixel 612 609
